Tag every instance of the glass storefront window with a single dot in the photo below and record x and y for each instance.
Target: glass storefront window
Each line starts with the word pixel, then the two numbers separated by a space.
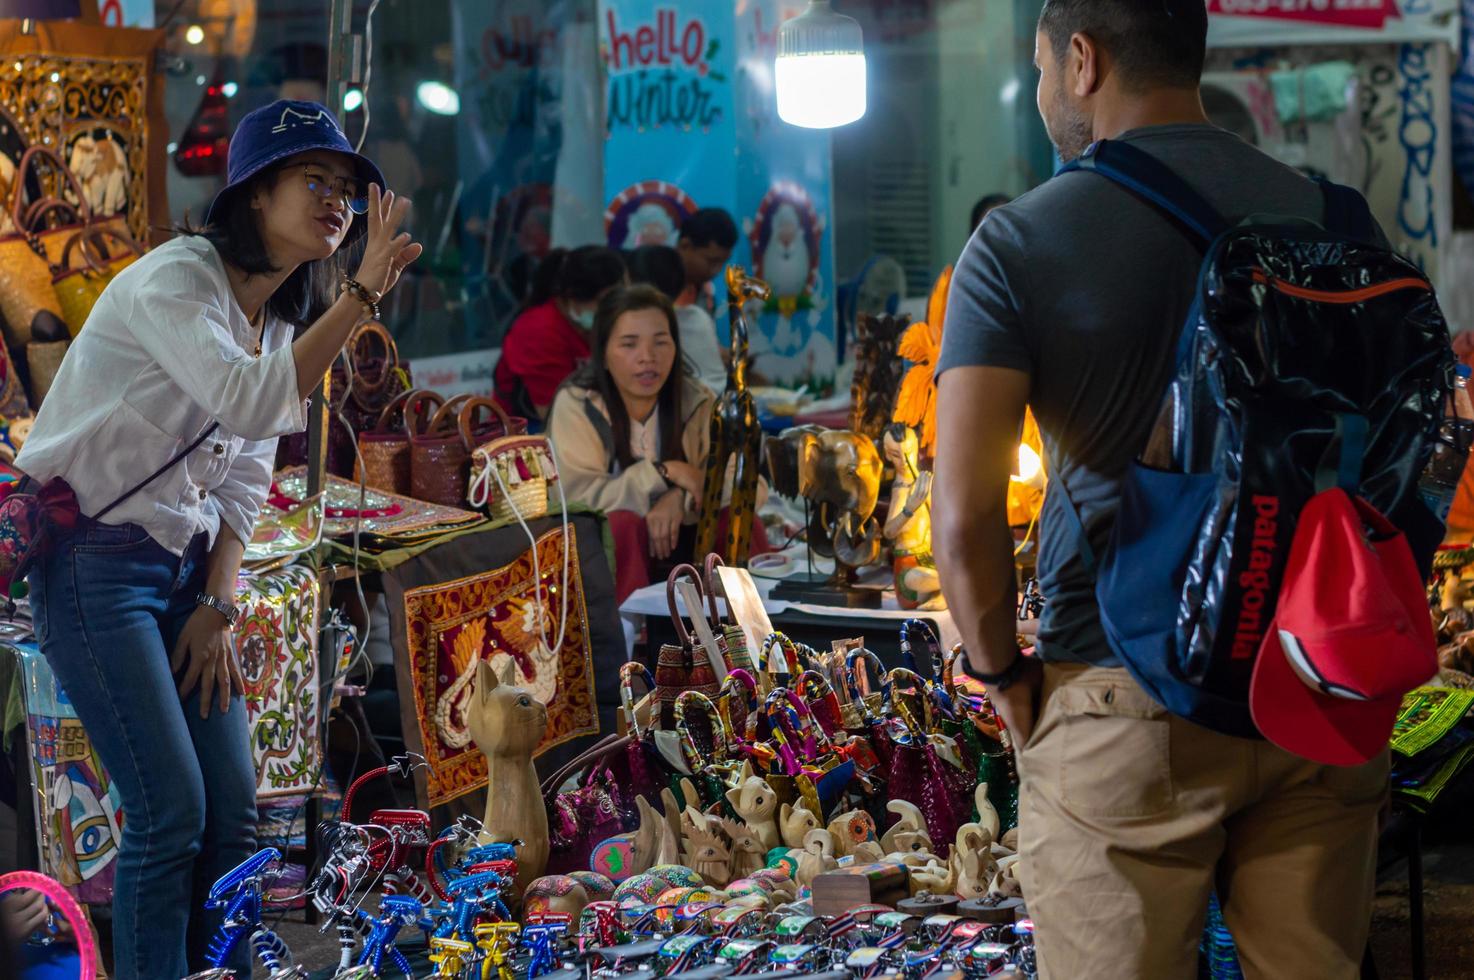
pixel 509 123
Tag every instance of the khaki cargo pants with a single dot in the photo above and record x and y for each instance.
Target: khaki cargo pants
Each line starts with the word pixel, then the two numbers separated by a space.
pixel 1130 816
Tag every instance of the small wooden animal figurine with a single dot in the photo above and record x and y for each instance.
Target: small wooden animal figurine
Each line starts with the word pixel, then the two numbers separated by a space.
pixel 816 857
pixel 670 838
pixel 1010 840
pixel 868 852
pixel 795 822
pixel 734 433
pixel 747 853
pixel 972 862
pixel 1006 883
pixel 756 803
pixel 706 851
pixel 507 724
pixel 934 877
pixel 645 842
pixel 913 847
pixel 910 821
pixel 852 829
pixel 988 817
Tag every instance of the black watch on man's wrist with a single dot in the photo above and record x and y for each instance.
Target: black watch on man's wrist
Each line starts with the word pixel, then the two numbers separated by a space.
pixel 662 470
pixel 1000 681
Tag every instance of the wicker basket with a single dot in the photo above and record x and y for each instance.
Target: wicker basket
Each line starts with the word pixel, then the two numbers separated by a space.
pixel 511 477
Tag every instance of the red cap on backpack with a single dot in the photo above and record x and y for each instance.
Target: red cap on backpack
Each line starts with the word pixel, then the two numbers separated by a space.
pixel 1351 636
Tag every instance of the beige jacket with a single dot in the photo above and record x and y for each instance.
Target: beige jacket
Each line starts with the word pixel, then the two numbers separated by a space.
pixel 578 426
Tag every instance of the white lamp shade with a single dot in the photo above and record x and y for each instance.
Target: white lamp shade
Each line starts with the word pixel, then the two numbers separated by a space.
pixel 821 91
pixel 820 70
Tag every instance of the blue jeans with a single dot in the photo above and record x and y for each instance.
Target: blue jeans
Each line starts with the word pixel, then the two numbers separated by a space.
pixel 109 604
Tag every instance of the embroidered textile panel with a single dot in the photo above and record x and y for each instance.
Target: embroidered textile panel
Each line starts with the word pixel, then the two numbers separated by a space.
pixel 452 626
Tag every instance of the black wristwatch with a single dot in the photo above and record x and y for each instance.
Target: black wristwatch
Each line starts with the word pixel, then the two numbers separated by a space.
pixel 660 468
pixel 1000 681
pixel 230 612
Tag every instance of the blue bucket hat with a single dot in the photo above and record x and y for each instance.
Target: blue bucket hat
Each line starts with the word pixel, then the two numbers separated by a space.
pixel 280 130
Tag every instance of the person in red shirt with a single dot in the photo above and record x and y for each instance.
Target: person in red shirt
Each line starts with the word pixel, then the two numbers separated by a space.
pixel 549 340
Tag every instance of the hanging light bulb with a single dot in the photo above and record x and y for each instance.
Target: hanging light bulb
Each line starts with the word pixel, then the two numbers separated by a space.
pixel 820 71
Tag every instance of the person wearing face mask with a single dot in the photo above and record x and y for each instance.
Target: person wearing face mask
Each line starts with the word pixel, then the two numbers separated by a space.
pixel 158 439
pixel 632 430
pixel 549 340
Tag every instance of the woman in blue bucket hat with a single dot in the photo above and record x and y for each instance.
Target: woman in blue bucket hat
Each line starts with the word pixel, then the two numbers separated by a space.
pixel 163 420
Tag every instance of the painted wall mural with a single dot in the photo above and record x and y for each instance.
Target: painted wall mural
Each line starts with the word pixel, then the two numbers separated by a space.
pixel 704 67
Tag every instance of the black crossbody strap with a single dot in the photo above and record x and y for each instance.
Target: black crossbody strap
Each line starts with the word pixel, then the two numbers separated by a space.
pixel 158 472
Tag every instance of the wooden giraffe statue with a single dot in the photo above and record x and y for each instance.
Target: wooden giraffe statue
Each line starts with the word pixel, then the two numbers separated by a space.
pixel 734 432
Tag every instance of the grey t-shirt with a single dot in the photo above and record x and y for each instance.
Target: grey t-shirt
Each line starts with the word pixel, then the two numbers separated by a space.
pixel 1085 287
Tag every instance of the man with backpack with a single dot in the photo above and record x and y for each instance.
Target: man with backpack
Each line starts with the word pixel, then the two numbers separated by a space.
pixel 1296 406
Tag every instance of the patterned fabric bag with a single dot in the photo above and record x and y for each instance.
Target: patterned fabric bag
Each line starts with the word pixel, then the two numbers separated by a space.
pixel 681 666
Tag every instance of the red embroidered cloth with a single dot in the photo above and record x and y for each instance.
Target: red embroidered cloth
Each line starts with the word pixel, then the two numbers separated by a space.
pixel 451 626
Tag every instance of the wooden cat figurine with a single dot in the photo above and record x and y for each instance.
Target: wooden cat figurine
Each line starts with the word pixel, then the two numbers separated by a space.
pixel 756 803
pixel 795 823
pixel 507 724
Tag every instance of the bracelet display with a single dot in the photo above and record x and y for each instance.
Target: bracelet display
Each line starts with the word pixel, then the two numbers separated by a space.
pixel 366 297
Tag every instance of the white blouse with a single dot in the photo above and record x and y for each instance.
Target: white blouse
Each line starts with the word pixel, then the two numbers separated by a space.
pixel 165 352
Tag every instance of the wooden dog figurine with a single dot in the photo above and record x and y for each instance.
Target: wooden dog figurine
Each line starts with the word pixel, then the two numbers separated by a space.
pixel 507 724
pixel 734 432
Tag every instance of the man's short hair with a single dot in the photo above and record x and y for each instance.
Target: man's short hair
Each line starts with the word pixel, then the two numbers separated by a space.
pixel 1154 43
pixel 710 226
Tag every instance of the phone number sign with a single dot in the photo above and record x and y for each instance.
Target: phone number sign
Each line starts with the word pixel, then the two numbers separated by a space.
pixel 1369 14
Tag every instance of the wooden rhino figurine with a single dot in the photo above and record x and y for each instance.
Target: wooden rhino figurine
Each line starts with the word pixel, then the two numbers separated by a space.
pixel 507 724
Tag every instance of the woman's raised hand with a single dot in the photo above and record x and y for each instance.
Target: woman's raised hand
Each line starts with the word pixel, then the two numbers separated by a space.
pixel 387 251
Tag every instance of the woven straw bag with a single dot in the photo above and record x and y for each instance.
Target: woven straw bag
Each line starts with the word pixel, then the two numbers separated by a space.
pixel 27 297
pixel 79 287
pixel 384 449
pixel 511 475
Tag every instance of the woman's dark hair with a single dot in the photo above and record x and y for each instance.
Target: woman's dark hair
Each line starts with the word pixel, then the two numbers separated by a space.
pixel 236 234
pixel 595 376
pixel 580 275
pixel 659 266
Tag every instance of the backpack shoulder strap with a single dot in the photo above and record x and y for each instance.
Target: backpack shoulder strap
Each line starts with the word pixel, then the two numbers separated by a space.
pixel 1154 182
pixel 1347 213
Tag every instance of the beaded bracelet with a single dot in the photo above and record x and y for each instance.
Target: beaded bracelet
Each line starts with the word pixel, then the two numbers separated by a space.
pixel 365 296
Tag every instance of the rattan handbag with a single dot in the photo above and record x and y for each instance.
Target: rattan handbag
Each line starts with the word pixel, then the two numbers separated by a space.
pixel 78 288
pixel 384 449
pixel 511 475
pixel 438 460
pixel 27 298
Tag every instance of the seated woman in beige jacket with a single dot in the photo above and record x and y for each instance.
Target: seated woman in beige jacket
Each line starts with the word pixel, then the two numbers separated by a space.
pixel 631 431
